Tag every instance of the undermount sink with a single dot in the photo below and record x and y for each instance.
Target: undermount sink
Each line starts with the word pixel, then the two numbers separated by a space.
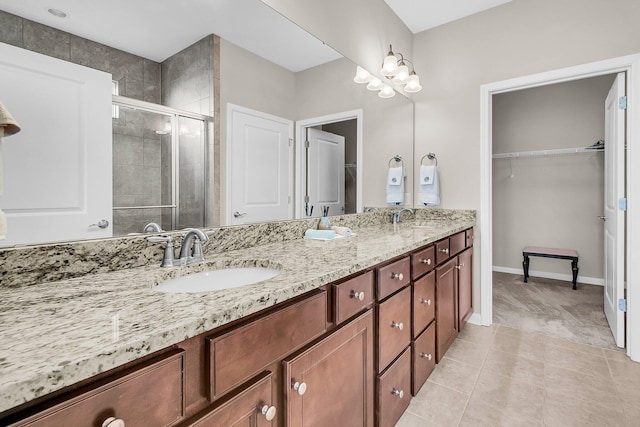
pixel 216 280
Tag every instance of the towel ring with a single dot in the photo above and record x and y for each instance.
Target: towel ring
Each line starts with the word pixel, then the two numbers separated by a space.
pixel 430 156
pixel 397 159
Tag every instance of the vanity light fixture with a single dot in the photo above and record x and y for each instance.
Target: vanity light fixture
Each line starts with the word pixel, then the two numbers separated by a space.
pixel 386 92
pixel 373 83
pixel 362 75
pixel 394 67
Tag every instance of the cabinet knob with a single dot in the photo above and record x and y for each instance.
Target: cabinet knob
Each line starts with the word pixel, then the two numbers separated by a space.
pixel 269 412
pixel 397 325
pixel 444 251
pixel 397 392
pixel 426 261
pixel 113 422
pixel 425 301
pixel 397 276
pixel 357 295
pixel 301 388
pixel 459 266
pixel 426 356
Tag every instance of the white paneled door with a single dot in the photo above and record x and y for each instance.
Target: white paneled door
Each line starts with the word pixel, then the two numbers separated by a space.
pixel 260 150
pixel 614 193
pixel 57 170
pixel 325 172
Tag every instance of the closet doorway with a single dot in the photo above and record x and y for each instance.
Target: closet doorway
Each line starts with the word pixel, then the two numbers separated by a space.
pixel 548 190
pixel 629 64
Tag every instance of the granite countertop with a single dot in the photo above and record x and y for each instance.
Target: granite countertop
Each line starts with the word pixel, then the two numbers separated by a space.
pixel 56 334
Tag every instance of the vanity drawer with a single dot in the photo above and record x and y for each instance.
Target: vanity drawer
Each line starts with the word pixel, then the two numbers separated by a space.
pixel 394 387
pixel 442 250
pixel 147 395
pixel 424 303
pixel 352 296
pixel 423 261
pixel 394 331
pixel 243 408
pixel 423 358
pixel 457 243
pixel 238 355
pixel 392 277
pixel 469 237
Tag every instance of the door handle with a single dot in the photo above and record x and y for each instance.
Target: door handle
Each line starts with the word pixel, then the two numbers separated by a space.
pixel 604 218
pixel 103 223
pixel 237 214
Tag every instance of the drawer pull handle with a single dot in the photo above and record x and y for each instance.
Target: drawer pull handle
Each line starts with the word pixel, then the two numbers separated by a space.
pixel 397 325
pixel 426 261
pixel 444 251
pixel 397 276
pixel 425 301
pixel 397 392
pixel 301 388
pixel 357 295
pixel 426 356
pixel 113 422
pixel 269 412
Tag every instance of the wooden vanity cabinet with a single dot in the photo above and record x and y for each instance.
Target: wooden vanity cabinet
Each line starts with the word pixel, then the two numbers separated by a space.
pixel 330 383
pixel 393 391
pixel 423 357
pixel 465 287
pixel 446 307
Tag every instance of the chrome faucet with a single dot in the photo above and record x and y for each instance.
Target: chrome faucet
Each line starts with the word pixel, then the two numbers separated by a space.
pixel 396 216
pixel 371 209
pixel 152 227
pixel 191 248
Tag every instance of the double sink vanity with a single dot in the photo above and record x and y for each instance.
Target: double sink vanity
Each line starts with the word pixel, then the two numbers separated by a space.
pixel 340 332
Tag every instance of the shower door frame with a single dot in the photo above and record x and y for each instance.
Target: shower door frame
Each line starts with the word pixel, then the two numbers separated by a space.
pixel 136 104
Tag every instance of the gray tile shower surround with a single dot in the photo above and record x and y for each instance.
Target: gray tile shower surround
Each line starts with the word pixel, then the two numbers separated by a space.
pixel 58 302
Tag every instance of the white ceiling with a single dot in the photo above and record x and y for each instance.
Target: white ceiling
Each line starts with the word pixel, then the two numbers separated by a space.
pixel 420 15
pixel 157 29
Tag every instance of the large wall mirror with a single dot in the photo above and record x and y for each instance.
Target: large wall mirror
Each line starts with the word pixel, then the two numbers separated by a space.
pixel 195 163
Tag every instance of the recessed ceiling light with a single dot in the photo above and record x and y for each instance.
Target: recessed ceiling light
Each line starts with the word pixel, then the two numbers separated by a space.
pixel 58 13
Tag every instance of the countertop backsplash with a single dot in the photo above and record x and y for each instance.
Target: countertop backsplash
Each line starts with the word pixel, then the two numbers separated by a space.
pixel 30 265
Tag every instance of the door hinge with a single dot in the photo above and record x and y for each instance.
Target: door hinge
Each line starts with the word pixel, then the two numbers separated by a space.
pixel 288 200
pixel 622 103
pixel 290 141
pixel 306 199
pixel 306 144
pixel 622 305
pixel 622 203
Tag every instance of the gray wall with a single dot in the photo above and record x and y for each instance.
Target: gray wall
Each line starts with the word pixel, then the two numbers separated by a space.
pixel 552 200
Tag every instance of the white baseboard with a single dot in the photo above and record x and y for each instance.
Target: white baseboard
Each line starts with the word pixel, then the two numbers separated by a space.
pixel 547 275
pixel 475 319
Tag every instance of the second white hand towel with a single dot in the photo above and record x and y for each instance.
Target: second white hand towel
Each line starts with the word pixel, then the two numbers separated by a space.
pixel 429 185
pixel 395 186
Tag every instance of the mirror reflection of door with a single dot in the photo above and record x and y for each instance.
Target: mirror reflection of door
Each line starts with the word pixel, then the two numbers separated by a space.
pixel 325 179
pixel 260 151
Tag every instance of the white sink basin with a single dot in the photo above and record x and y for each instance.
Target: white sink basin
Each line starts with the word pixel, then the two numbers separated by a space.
pixel 216 280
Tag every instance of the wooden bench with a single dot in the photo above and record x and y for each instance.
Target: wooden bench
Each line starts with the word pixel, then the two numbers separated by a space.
pixel 569 254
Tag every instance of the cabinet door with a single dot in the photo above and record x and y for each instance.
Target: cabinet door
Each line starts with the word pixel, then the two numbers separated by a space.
pixel 424 303
pixel 446 304
pixel 465 287
pixel 394 331
pixel 251 407
pixel 331 383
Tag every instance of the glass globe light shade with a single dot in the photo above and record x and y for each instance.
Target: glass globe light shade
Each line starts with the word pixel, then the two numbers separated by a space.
pixel 402 75
pixel 387 92
pixel 413 84
pixel 375 84
pixel 362 75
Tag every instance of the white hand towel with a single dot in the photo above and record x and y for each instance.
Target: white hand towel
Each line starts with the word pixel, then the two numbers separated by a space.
pixel 429 185
pixel 395 186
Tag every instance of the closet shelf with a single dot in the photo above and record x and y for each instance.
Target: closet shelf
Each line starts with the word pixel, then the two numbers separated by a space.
pixel 546 152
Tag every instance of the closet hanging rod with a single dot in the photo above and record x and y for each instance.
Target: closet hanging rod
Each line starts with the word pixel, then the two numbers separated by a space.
pixel 546 152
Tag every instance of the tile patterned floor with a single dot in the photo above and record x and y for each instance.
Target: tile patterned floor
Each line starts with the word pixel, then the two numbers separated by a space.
pixel 502 376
